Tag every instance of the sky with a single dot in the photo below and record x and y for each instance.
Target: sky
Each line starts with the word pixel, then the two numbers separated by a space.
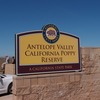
pixel 77 17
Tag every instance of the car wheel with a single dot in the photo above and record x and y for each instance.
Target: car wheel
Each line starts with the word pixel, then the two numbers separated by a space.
pixel 10 88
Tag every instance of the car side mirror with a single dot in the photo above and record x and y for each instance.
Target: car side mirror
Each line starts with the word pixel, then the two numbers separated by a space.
pixel 1 77
pixel 1 81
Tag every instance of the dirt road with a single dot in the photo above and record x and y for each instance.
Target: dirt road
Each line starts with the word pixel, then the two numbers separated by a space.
pixel 6 97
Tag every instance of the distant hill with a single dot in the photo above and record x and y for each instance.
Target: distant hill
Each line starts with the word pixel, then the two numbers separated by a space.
pixel 2 59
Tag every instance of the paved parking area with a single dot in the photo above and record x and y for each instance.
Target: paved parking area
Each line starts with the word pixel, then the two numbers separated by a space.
pixel 6 97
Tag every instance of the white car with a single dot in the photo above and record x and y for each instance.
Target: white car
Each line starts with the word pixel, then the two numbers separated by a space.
pixel 6 82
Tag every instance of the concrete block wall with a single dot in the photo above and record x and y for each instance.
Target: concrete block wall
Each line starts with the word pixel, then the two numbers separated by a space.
pixel 10 69
pixel 83 85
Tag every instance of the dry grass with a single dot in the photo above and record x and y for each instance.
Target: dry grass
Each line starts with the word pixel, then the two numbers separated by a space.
pixel 1 61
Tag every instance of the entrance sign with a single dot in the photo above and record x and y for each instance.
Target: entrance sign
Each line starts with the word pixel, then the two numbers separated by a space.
pixel 47 51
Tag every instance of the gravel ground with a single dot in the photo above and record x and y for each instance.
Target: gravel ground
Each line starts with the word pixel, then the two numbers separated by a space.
pixel 6 97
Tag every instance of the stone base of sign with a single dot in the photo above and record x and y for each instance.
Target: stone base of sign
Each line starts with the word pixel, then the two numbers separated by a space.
pixel 45 87
pixel 83 85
